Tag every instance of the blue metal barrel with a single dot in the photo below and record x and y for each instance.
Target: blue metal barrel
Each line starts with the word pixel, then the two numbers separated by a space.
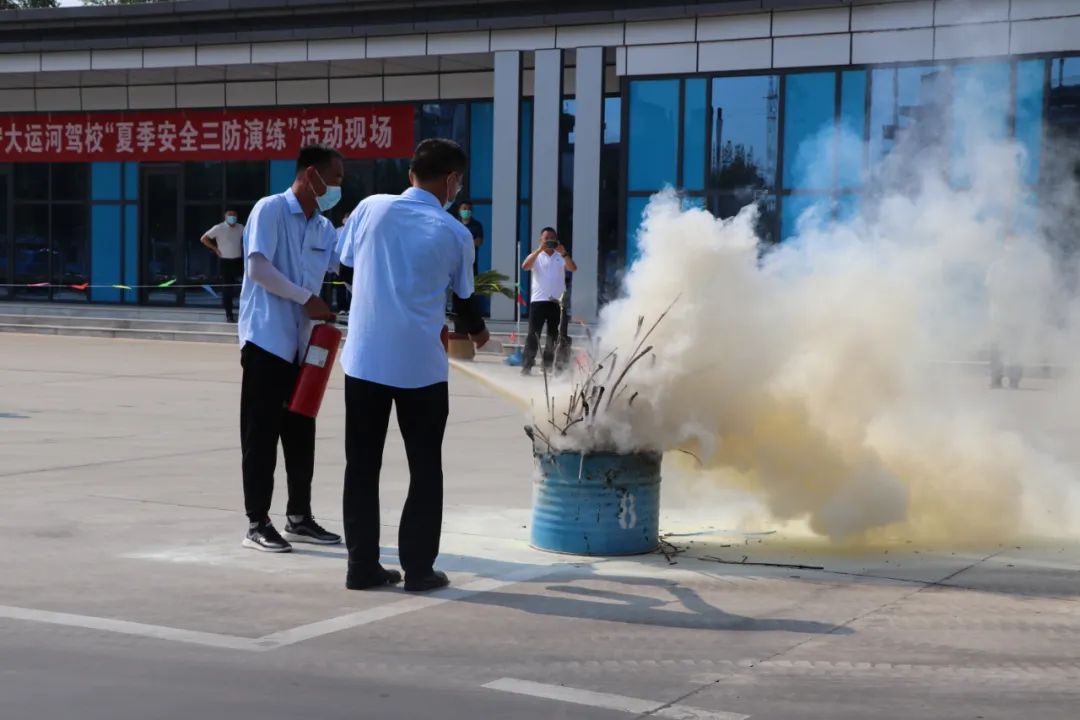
pixel 596 504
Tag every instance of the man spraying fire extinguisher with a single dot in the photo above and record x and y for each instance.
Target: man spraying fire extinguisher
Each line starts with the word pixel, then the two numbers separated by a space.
pixel 288 246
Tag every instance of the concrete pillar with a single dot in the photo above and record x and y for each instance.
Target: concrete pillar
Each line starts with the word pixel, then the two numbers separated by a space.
pixel 588 142
pixel 504 176
pixel 547 112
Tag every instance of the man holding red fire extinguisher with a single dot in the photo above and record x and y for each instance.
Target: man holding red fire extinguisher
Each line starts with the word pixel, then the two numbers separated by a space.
pixel 405 250
pixel 288 246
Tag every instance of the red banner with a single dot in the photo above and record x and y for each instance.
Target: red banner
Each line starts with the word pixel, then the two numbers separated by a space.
pixel 271 134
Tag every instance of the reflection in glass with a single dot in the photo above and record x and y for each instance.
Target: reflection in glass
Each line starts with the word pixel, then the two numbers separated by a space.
pixel 201 262
pixel 907 108
pixel 70 251
pixel 1063 126
pixel 610 260
pixel 564 223
pixel 203 181
pixel 809 131
pixel 851 162
pixel 745 121
pixel 695 118
pixel 654 134
pixel 980 114
pixel 391 176
pixel 5 267
pixel 32 181
pixel 1030 94
pixel 728 205
pixel 160 242
pixel 245 180
pixel 31 235
pixel 71 181
pixel 444 120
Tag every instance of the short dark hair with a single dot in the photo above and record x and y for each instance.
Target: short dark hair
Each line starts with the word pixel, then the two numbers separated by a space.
pixel 316 156
pixel 463 203
pixel 551 230
pixel 230 210
pixel 436 158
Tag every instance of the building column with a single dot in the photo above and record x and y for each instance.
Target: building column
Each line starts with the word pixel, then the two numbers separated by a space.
pixel 588 142
pixel 547 114
pixel 504 176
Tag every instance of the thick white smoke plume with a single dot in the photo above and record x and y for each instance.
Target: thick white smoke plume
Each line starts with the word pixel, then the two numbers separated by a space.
pixel 828 375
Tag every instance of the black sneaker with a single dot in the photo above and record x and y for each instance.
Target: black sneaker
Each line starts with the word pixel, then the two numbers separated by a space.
pixel 266 538
pixel 309 531
pixel 366 581
pixel 433 581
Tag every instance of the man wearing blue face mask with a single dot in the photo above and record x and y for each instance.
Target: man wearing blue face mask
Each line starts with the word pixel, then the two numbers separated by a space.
pixel 288 246
pixel 226 240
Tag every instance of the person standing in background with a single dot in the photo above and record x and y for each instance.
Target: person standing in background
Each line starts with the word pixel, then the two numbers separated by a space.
pixel 465 214
pixel 548 265
pixel 405 250
pixel 226 240
pixel 288 245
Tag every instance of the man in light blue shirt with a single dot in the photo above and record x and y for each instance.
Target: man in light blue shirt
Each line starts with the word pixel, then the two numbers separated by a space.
pixel 288 246
pixel 405 251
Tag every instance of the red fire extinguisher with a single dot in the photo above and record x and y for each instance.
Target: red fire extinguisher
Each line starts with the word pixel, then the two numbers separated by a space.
pixel 315 372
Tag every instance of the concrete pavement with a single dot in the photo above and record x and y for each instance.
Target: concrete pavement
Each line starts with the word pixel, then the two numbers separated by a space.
pixel 126 594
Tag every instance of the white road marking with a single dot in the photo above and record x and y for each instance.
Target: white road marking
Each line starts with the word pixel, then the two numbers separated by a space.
pixel 285 637
pixel 159 632
pixel 608 701
pixel 383 612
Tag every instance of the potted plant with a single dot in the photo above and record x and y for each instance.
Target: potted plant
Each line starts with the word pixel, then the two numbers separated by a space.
pixel 485 284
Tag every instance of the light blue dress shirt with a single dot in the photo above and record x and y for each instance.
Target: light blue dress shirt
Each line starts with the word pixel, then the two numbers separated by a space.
pixel 301 249
pixel 405 250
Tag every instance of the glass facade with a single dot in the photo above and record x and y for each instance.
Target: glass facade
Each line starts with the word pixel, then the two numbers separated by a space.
pixel 808 145
pixel 130 232
pixel 804 145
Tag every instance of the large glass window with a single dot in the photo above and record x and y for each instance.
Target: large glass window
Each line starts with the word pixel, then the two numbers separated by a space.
pixel 611 260
pixel 654 134
pixel 51 219
pixel 907 108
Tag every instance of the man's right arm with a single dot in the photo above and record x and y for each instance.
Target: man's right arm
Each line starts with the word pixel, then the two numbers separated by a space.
pixel 209 241
pixel 260 242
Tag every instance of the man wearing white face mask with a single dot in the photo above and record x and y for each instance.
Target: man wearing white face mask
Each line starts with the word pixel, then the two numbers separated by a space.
pixel 226 240
pixel 405 251
pixel 289 246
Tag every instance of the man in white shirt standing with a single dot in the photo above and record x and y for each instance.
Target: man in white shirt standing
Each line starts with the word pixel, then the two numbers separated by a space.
pixel 405 250
pixel 548 265
pixel 288 245
pixel 226 240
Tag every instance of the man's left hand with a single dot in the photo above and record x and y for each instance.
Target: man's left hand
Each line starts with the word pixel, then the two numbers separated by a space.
pixel 562 251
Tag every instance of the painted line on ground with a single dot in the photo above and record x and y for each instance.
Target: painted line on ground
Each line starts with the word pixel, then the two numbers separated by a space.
pixel 608 701
pixel 384 612
pixel 125 627
pixel 283 638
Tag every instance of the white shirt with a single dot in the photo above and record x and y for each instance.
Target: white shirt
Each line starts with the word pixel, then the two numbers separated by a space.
pixel 301 249
pixel 230 239
pixel 548 278
pixel 405 250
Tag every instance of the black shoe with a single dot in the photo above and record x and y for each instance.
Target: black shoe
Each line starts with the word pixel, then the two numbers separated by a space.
pixel 526 371
pixel 309 531
pixel 435 580
pixel 380 578
pixel 266 538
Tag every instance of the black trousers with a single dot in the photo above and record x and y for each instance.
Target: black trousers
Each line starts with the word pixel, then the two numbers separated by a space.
pixel 232 273
pixel 421 414
pixel 542 314
pixel 264 419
